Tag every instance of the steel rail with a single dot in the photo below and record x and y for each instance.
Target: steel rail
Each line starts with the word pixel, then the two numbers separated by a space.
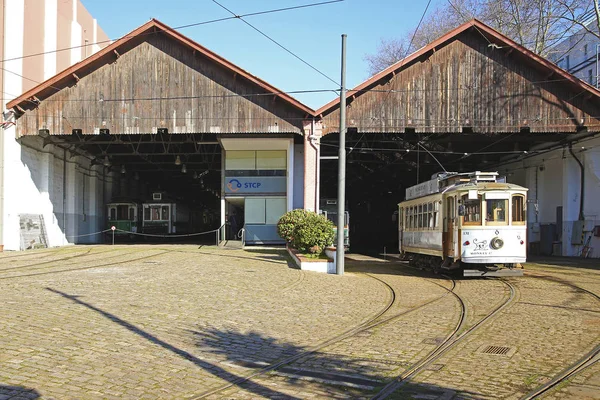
pixel 370 323
pixel 449 343
pixel 589 359
pixel 86 254
pixel 83 268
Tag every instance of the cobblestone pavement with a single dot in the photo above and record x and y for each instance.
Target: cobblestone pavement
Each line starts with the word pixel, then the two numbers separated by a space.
pixel 140 321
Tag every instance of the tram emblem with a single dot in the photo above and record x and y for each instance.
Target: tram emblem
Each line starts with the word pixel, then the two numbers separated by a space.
pixel 234 185
pixel 481 245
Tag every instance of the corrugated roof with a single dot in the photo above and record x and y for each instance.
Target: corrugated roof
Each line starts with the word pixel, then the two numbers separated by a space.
pixel 93 62
pixel 479 27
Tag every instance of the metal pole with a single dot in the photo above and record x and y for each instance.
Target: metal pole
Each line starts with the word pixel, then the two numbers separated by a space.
pixel 342 167
pixel 113 237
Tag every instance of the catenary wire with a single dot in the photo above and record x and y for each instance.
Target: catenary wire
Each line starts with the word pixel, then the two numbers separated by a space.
pixel 178 27
pixel 276 42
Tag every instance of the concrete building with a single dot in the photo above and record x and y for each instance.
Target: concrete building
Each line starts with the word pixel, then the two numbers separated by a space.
pixel 39 39
pixel 578 54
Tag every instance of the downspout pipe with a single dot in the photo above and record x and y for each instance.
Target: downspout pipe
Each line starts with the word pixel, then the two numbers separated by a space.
pixel 582 186
pixel 64 199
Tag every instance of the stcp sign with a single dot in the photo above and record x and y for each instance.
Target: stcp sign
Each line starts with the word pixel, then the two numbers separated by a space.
pixel 255 185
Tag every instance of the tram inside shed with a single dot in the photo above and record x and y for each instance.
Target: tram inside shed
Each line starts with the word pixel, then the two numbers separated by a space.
pixel 380 166
pixel 156 187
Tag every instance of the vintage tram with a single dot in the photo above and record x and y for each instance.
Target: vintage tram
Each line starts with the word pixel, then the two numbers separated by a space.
pixel 162 216
pixel 473 222
pixel 124 215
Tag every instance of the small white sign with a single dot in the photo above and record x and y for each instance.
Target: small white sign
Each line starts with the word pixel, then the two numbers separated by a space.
pixel 112 228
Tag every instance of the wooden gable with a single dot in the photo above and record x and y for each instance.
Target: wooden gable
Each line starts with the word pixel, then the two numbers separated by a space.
pixel 156 81
pixel 469 83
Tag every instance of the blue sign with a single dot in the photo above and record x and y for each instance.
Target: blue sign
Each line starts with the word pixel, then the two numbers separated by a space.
pixel 256 185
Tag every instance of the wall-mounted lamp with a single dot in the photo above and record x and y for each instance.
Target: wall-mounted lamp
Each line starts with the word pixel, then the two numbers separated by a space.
pixel 183 169
pixel 106 161
pixel 177 160
pixel 123 170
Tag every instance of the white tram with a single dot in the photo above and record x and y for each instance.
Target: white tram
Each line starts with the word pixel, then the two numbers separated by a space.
pixel 473 221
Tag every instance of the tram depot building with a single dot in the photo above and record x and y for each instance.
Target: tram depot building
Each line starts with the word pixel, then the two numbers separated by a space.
pixel 156 114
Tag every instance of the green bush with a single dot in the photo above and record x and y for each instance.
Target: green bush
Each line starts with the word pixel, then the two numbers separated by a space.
pixel 306 231
pixel 313 232
pixel 288 223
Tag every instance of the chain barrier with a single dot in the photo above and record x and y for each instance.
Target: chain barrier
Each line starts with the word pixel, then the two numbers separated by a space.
pixel 168 236
pixel 114 229
pixel 88 234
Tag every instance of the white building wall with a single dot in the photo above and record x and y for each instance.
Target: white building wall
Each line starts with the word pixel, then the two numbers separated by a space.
pixel 554 180
pixel 37 175
pixel 31 176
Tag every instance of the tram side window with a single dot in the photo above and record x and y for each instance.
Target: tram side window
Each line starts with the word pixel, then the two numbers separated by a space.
pixel 518 209
pixel 472 211
pixel 436 214
pixel 420 208
pixel 430 216
pixel 131 213
pixel 113 214
pixel 411 218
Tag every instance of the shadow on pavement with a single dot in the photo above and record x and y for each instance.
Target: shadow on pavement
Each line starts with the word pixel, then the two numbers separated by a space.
pixel 569 262
pixel 18 392
pixel 209 367
pixel 311 373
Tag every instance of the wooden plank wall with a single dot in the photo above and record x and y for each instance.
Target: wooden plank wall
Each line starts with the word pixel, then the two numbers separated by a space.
pixel 468 83
pixel 129 96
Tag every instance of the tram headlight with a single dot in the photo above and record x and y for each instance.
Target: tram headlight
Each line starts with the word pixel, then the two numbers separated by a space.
pixel 496 243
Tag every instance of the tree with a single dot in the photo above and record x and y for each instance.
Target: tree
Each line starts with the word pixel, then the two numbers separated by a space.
pixel 535 24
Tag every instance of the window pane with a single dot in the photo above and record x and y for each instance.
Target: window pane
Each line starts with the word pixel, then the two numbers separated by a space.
pixel 496 210
pixel 518 209
pixel 113 213
pixel 147 214
pixel 131 213
pixel 122 212
pixel 472 210
pixel 155 213
pixel 254 211
pixel 240 159
pixel 275 208
pixel 165 213
pixel 271 159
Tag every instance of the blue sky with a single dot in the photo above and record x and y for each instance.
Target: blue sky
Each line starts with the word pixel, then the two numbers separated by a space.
pixel 314 34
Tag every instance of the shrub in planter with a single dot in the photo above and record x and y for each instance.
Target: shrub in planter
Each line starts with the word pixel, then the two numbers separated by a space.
pixel 314 232
pixel 288 223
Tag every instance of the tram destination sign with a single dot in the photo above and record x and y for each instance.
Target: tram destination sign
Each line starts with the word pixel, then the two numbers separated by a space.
pixel 423 189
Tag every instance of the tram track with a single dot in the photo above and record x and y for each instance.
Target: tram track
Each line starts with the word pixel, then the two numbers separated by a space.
pixel 589 359
pixel 449 342
pixel 84 268
pixel 375 320
pixel 85 254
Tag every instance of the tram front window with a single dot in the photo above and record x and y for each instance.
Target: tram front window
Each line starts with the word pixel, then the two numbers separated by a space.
pixel 496 211
pixel 472 211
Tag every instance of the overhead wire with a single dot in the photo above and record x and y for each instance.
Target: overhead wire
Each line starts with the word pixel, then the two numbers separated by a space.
pixel 150 33
pixel 276 42
pixel 178 28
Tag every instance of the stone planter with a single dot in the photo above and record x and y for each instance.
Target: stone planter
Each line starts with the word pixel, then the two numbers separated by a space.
pixel 314 264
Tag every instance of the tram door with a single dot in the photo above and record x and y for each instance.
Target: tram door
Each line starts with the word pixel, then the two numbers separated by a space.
pixel 450 215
